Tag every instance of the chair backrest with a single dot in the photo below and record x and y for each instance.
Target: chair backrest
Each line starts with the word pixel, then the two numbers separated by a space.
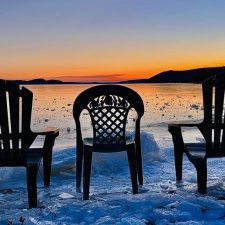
pixel 108 106
pixel 15 117
pixel 213 127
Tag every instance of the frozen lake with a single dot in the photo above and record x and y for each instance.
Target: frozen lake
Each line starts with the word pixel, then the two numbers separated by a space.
pixel 164 103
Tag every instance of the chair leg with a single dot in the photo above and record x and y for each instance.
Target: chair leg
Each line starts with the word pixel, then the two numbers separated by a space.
pixel 32 185
pixel 86 172
pixel 47 163
pixel 201 167
pixel 133 168
pixel 139 164
pixel 47 159
pixel 178 162
pixel 79 160
pixel 179 149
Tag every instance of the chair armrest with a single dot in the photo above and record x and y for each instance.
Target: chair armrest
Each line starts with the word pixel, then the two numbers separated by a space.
pixel 53 131
pixel 176 127
pixel 175 130
pixel 184 125
pixel 50 134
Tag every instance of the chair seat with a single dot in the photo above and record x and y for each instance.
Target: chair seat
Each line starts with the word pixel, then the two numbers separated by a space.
pixel 198 150
pixel 34 156
pixel 106 148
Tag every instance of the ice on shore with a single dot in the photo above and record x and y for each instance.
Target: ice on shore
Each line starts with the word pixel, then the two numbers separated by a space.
pixel 160 200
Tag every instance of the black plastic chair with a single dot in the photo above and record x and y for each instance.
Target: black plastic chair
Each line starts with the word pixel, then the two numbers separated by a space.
pixel 108 106
pixel 16 137
pixel 212 128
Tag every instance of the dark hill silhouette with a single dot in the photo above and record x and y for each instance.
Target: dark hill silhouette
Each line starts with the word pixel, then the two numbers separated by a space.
pixel 185 76
pixel 170 76
pixel 39 81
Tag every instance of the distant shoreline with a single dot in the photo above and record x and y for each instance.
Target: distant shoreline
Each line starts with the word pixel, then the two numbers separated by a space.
pixel 193 76
pixel 102 83
pixel 108 83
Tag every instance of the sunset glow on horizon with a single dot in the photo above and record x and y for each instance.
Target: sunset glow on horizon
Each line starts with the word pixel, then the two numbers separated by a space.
pixel 108 40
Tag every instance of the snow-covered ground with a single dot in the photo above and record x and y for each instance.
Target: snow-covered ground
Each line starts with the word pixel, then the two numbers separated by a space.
pixel 160 200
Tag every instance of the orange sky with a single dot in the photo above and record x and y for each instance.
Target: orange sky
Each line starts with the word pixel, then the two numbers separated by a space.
pixel 108 40
pixel 96 74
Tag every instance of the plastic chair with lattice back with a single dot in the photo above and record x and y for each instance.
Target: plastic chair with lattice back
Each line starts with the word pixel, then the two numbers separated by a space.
pixel 108 107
